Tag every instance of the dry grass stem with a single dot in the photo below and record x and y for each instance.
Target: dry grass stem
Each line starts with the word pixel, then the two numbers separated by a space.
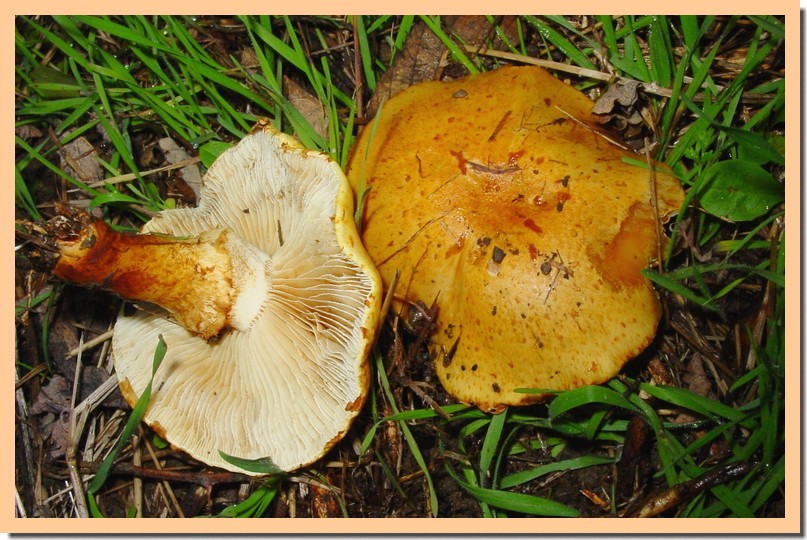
pixel 592 130
pixel 164 487
pixel 90 344
pixel 129 177
pixel 137 489
pixel 652 88
pixel 651 171
pixel 74 434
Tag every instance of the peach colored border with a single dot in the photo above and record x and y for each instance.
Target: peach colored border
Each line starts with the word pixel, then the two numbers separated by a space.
pixel 790 524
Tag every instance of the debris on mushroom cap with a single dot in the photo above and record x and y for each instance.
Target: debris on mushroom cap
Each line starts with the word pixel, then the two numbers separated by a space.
pixel 280 300
pixel 495 195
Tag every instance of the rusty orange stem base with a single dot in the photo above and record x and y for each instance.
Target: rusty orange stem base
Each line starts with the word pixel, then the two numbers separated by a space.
pixel 191 278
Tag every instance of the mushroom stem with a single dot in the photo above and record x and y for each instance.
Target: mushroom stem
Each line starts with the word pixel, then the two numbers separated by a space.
pixel 207 282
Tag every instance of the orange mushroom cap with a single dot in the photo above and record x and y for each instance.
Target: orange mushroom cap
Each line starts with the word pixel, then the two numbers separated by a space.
pixel 495 196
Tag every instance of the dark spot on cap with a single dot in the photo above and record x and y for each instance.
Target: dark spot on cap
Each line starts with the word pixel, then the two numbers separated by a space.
pixel 498 255
pixel 483 242
pixel 531 225
pixel 496 388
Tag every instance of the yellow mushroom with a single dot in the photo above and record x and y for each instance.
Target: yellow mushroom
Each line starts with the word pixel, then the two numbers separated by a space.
pixel 497 197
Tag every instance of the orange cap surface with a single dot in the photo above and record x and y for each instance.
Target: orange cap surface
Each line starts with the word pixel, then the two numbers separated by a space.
pixel 492 195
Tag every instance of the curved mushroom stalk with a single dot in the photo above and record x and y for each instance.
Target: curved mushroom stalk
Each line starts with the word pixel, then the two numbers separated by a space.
pixel 271 253
pixel 209 283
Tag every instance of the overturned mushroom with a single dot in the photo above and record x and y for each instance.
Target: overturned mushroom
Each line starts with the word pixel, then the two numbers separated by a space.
pixel 495 196
pixel 268 306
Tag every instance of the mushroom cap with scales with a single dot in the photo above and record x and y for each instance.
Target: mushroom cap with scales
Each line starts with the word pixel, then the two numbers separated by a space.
pixel 285 378
pixel 494 195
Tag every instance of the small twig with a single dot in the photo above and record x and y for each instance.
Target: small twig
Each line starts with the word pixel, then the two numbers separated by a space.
pixel 707 354
pixel 417 388
pixel 306 479
pixel 558 66
pixel 651 88
pixel 203 478
pixel 105 348
pixel 166 486
pixel 592 130
pixel 137 488
pixel 424 331
pixel 18 503
pixel 94 399
pixel 388 298
pixel 654 204
pixel 291 501
pixel 90 344
pixel 357 70
pixel 74 434
pixel 130 176
pixel 23 429
pixel 20 382
pixel 677 495
pixel 766 309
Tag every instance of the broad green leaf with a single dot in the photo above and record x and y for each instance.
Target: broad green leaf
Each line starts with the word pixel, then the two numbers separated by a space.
pixel 754 146
pixel 209 152
pixel 739 190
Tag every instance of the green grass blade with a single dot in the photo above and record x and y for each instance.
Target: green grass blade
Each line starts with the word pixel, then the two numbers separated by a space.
pixel 433 22
pixel 366 55
pixel 131 425
pixel 557 40
pixel 491 446
pixel 516 502
pixel 408 436
pixel 53 168
pixel 662 58
pixel 701 405
pixel 256 504
pixel 23 198
pixel 586 396
pixel 522 477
